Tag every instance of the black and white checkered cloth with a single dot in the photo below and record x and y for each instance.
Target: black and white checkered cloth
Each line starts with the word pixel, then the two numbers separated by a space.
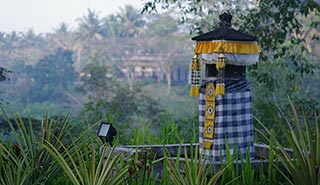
pixel 233 120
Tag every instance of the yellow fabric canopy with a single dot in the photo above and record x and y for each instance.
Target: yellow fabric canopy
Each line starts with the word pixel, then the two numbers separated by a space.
pixel 219 46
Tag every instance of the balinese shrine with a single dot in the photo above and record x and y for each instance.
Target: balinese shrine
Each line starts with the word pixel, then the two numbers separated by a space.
pixel 225 97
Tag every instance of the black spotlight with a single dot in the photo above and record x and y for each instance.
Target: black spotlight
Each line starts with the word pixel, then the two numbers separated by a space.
pixel 107 132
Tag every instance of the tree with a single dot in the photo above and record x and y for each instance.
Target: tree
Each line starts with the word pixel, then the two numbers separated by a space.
pixel 31 39
pixel 62 37
pixel 201 15
pixel 125 40
pixel 51 77
pixel 90 27
pixel 288 65
pixel 3 77
pixel 3 74
pixel 9 45
pixel 168 42
pixel 97 82
pixel 132 22
pixel 90 30
pixel 109 96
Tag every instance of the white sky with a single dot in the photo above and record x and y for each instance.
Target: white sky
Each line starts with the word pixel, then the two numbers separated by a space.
pixel 45 15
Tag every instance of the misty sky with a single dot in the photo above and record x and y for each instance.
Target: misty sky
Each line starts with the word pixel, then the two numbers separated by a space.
pixel 45 15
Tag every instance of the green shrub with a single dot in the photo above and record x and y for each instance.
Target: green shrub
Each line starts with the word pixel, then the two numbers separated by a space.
pixel 302 167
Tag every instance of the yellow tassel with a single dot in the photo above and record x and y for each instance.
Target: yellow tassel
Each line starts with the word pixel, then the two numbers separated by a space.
pixel 195 64
pixel 297 87
pixel 195 91
pixel 220 65
pixel 207 145
pixel 221 62
pixel 195 69
pixel 219 89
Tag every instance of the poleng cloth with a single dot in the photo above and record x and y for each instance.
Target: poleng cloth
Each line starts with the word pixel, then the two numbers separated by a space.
pixel 233 124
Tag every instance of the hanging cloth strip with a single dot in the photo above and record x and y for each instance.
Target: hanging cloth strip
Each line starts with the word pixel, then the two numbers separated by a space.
pixel 211 92
pixel 208 131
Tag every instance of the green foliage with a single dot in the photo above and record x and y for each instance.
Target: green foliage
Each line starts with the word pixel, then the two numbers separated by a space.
pixel 231 174
pixel 302 167
pixel 3 74
pixel 200 15
pixel 81 168
pixel 284 20
pixel 138 105
pixel 3 77
pixel 191 170
pixel 51 76
pixel 141 167
pixel 131 22
pixel 98 82
pixel 37 110
pixel 170 133
pixel 175 104
pixel 23 160
pixel 162 26
pixel 41 157
pixel 90 27
pixel 107 96
pixel 283 39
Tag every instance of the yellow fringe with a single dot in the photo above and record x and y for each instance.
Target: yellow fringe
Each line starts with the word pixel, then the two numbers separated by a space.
pixel 195 91
pixel 227 47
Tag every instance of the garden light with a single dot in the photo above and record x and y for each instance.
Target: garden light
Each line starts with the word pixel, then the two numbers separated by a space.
pixel 107 132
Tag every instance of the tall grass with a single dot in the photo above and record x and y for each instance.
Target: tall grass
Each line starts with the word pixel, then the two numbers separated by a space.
pixel 53 156
pixel 191 171
pixel 169 134
pixel 23 160
pixel 141 168
pixel 302 167
pixel 81 168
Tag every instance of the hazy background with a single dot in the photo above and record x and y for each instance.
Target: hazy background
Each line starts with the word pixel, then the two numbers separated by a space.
pixel 43 15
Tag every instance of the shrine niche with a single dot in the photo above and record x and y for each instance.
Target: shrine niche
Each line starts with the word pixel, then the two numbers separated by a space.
pixel 225 97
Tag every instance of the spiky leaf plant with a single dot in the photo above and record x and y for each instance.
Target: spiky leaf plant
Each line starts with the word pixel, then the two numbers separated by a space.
pixel 192 171
pixel 81 165
pixel 23 159
pixel 302 167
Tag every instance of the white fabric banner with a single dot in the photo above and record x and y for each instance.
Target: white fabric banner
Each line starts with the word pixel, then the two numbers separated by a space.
pixel 233 59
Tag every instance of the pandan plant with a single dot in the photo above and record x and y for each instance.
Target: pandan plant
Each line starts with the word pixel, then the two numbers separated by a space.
pixel 302 135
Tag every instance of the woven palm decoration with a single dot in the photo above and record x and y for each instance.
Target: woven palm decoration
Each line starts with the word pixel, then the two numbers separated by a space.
pixel 225 103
